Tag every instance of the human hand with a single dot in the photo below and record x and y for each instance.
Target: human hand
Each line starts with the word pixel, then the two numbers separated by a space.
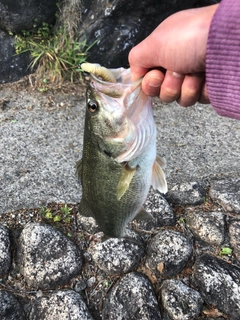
pixel 172 58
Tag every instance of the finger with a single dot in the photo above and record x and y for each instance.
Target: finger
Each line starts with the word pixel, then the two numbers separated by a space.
pixel 152 82
pixel 138 72
pixel 171 86
pixel 204 99
pixel 191 89
pixel 141 58
pixel 138 69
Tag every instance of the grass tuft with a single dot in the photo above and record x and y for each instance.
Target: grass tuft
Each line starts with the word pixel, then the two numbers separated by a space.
pixel 56 53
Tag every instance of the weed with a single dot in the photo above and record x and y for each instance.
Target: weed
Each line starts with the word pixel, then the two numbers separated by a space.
pixel 56 56
pixel 63 215
pixel 66 210
pixel 56 53
pixel 182 220
pixel 225 251
pixel 57 218
pixel 46 213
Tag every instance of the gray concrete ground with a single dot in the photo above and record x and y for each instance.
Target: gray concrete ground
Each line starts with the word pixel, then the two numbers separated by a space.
pixel 197 143
pixel 41 140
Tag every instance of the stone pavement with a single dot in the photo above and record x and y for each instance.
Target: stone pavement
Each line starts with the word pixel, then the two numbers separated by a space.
pixel 188 259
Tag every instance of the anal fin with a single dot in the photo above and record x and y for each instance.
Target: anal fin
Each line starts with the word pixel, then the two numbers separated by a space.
pixel 78 167
pixel 84 210
pixel 158 177
pixel 143 215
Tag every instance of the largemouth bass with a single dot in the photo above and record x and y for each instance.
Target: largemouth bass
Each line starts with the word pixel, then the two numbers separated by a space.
pixel 119 162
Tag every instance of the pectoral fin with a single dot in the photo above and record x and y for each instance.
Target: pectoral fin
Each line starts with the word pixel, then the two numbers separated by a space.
pixel 143 215
pixel 84 210
pixel 78 167
pixel 124 181
pixel 158 177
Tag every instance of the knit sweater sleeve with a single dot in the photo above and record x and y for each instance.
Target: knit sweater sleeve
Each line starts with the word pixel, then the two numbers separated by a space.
pixel 223 59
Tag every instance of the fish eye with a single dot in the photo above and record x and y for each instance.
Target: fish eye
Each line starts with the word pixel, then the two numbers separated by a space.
pixel 92 105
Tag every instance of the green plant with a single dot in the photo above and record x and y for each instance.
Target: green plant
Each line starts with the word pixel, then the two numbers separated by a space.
pixel 63 215
pixel 46 213
pixel 56 55
pixel 225 251
pixel 57 218
pixel 66 212
pixel 42 211
pixel 182 220
pixel 23 41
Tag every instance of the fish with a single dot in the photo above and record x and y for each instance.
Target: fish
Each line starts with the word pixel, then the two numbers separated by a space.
pixel 119 162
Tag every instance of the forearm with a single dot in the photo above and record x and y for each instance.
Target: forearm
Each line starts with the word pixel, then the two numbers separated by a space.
pixel 223 59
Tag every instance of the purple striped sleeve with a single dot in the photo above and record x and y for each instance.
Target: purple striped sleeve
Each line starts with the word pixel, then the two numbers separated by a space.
pixel 223 59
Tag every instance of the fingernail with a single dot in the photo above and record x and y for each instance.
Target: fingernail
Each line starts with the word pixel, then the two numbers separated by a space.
pixel 155 82
pixel 177 75
pixel 154 85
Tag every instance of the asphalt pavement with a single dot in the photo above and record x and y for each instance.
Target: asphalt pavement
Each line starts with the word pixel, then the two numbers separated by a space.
pixel 41 140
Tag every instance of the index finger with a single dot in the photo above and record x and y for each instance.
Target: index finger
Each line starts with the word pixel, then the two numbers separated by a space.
pixel 139 60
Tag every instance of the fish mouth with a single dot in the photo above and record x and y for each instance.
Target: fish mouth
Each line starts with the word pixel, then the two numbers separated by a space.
pixel 115 83
pixel 122 87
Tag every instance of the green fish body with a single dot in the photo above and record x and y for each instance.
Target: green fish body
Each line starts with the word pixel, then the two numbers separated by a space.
pixel 119 162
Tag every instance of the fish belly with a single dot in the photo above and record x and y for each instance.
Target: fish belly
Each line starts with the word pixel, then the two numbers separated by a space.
pixel 100 178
